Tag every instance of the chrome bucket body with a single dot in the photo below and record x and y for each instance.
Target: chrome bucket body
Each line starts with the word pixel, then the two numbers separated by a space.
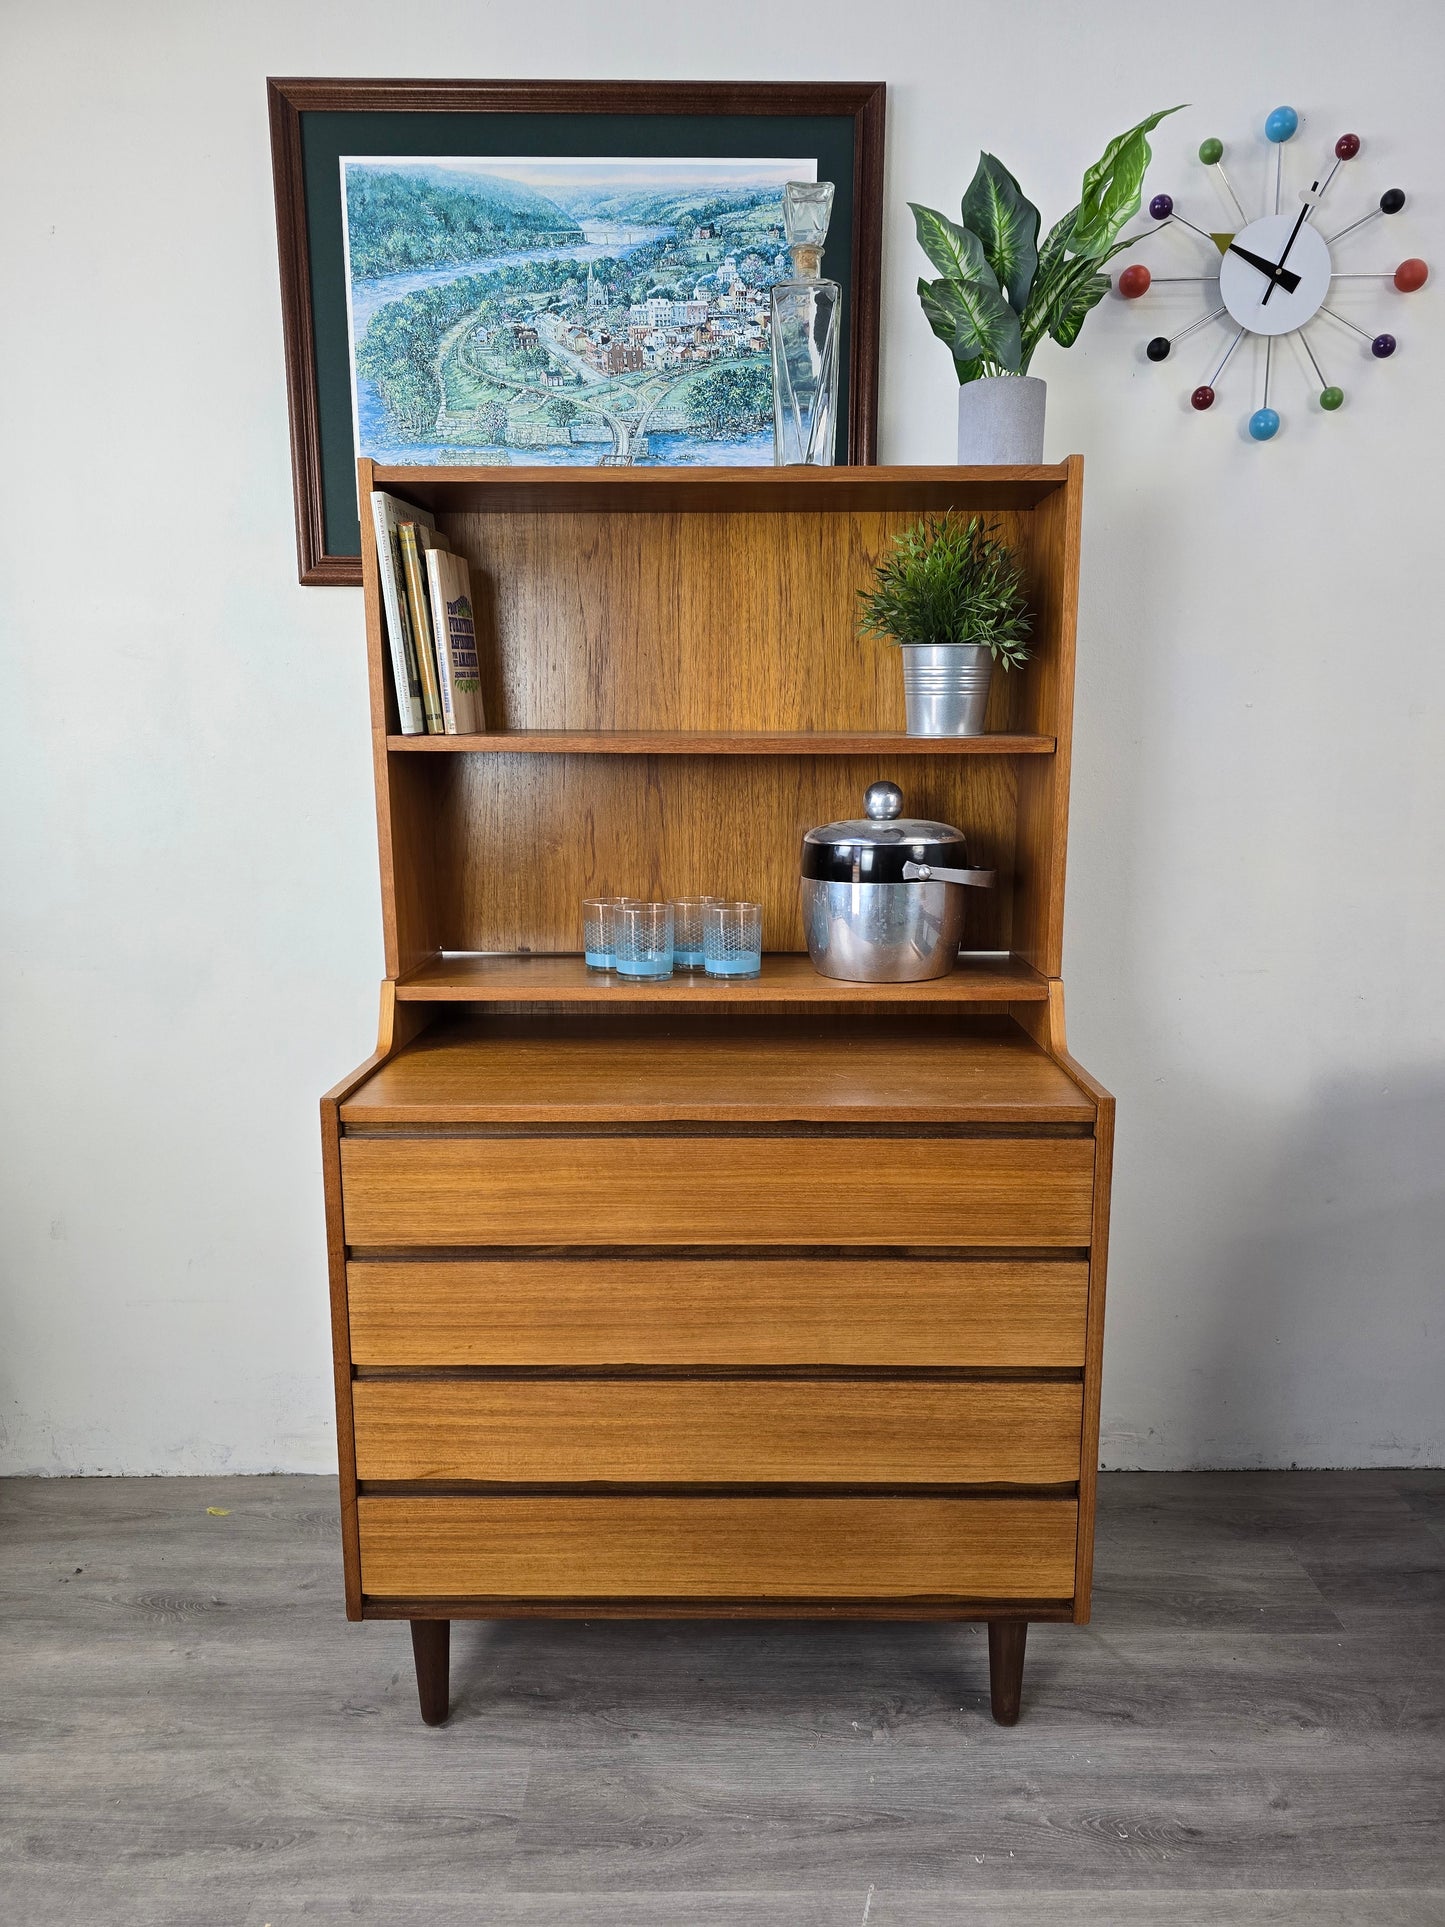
pixel 945 687
pixel 883 933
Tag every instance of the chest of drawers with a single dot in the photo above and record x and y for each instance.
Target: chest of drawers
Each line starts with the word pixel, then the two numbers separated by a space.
pixel 778 1298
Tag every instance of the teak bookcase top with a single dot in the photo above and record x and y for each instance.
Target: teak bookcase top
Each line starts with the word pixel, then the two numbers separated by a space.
pixel 784 1297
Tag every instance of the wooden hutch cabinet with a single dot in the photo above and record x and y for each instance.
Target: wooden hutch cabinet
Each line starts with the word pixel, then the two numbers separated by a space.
pixel 779 1298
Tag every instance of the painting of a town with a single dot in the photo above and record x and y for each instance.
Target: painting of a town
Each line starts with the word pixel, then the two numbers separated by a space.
pixel 555 311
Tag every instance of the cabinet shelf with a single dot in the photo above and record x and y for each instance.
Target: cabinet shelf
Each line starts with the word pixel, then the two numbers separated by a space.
pixel 787 977
pixel 672 742
pixel 722 491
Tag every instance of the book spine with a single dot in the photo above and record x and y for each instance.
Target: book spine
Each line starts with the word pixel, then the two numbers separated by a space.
pixel 405 675
pixel 416 595
pixel 455 628
pixel 436 581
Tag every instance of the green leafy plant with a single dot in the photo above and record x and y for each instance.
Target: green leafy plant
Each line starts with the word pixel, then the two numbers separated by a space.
pixel 950 581
pixel 999 293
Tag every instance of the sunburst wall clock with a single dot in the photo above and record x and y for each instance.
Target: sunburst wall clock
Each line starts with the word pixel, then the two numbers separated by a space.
pixel 1274 274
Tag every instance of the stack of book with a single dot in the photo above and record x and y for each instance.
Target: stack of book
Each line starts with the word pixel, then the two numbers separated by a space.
pixel 431 631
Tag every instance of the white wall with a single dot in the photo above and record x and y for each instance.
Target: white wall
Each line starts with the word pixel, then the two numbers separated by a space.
pixel 192 924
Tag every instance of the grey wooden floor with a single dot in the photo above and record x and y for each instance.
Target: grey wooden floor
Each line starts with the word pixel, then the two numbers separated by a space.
pixel 1250 1731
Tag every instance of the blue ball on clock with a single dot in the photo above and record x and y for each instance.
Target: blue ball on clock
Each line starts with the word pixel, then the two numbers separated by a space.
pixel 1281 124
pixel 1264 424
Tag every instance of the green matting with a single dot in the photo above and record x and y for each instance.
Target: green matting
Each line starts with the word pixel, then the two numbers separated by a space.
pixel 827 139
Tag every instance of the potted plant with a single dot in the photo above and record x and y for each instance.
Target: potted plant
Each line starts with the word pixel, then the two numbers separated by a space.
pixel 999 293
pixel 951 596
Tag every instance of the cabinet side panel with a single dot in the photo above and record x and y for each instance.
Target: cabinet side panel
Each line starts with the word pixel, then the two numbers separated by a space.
pixel 341 1350
pixel 405 793
pixel 1094 1352
pixel 1047 708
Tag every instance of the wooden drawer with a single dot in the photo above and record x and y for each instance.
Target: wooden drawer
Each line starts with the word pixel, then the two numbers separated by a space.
pixel 720 1190
pixel 585 1547
pixel 676 1309
pixel 720 1430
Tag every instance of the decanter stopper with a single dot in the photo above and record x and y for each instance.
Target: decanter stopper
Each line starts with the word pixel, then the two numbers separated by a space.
pixel 807 210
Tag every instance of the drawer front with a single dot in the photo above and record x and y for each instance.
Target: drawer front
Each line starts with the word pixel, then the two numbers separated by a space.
pixel 680 1310
pixel 724 1431
pixel 584 1547
pixel 698 1190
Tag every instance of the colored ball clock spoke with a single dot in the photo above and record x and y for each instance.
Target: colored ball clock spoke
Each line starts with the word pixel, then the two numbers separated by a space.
pixel 1158 349
pixel 1408 278
pixel 1264 422
pixel 1280 127
pixel 1331 397
pixel 1281 259
pixel 1391 202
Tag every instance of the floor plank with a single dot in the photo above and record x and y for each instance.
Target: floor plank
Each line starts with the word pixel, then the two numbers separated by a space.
pixel 1251 1730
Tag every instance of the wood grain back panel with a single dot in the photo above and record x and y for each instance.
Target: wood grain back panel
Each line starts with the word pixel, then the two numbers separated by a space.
pixel 579 1546
pixel 682 1309
pixel 686 621
pixel 724 1431
pixel 460 1191
pixel 522 839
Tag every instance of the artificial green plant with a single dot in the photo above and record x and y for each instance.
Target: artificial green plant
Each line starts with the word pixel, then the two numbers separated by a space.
pixel 999 292
pixel 950 581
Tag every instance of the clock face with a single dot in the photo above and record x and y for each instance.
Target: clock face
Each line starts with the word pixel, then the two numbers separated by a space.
pixel 1243 285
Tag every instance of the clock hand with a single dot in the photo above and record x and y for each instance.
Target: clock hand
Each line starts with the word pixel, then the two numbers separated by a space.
pixel 1286 277
pixel 1299 223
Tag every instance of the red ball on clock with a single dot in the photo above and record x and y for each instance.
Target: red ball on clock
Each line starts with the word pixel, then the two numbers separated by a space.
pixel 1134 281
pixel 1411 274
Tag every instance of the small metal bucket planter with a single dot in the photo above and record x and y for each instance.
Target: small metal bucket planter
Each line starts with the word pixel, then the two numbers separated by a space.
pixel 945 687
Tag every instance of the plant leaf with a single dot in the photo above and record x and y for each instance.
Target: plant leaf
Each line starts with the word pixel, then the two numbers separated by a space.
pixel 953 250
pixel 974 319
pixel 1079 296
pixel 1111 190
pixel 996 210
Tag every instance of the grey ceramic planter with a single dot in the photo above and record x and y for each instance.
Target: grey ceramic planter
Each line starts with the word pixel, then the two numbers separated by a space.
pixel 1001 419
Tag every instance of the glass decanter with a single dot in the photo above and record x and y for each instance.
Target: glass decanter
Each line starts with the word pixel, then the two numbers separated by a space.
pixel 805 335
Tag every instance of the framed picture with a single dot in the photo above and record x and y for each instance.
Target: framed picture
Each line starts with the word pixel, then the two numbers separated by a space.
pixel 553 272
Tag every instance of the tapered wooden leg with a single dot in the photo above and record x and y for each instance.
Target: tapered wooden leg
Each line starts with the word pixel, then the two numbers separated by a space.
pixel 430 1645
pixel 1006 1667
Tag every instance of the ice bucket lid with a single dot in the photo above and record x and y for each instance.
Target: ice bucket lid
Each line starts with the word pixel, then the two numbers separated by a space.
pixel 875 847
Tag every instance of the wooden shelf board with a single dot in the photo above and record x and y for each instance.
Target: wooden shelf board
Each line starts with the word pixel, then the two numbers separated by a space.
pixel 786 977
pixel 637 1067
pixel 710 490
pixel 663 742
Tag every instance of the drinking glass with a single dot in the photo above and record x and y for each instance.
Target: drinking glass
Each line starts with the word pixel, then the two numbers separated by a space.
pixel 687 931
pixel 644 934
pixel 732 939
pixel 599 941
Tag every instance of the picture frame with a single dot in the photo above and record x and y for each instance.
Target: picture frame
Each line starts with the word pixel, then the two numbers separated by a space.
pixel 314 121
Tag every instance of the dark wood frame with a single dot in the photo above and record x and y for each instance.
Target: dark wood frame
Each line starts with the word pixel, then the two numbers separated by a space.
pixel 289 98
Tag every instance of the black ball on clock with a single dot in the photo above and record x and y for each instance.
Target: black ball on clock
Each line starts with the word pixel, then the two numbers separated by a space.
pixel 1392 200
pixel 1158 348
